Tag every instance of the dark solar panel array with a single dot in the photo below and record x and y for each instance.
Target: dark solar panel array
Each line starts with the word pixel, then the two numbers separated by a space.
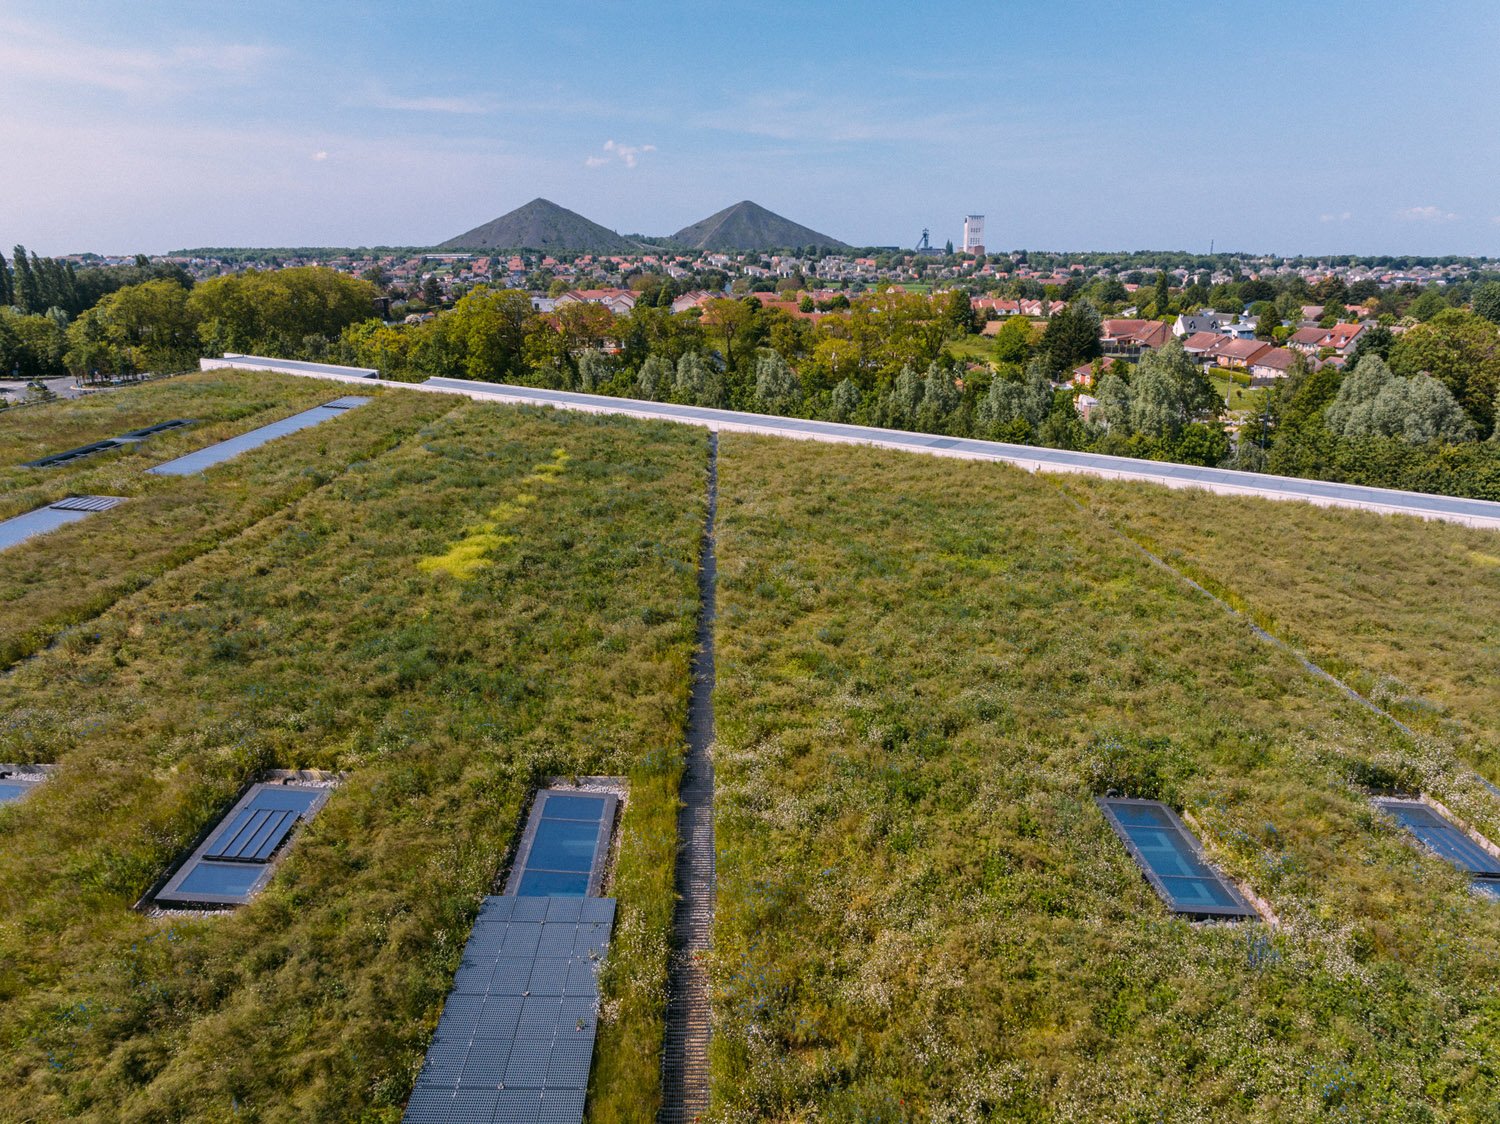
pixel 1172 859
pixel 197 462
pixel 516 1037
pixel 17 530
pixel 1446 840
pixel 234 862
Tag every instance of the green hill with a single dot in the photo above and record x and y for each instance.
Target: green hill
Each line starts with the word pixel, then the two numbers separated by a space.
pixel 542 225
pixel 749 226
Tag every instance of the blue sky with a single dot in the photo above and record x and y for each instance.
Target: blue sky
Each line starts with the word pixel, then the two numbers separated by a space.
pixel 1369 127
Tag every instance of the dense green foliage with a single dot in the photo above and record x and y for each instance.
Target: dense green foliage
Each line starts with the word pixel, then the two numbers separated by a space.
pixel 314 639
pixel 926 670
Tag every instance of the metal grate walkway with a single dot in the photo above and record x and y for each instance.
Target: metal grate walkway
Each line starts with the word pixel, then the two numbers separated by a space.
pixel 685 1050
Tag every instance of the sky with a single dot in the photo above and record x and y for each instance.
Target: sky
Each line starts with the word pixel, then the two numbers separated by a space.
pixel 1273 127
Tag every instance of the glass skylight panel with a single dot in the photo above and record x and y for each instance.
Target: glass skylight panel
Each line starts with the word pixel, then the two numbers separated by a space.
pixel 236 859
pixel 1446 840
pixel 562 853
pixel 1172 859
pixel 194 463
pixel 13 790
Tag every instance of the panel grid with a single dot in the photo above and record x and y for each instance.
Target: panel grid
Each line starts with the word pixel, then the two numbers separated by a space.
pixel 522 1017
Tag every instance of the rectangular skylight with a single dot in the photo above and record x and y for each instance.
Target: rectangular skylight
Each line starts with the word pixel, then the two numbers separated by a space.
pixel 194 463
pixel 1172 859
pixel 1446 840
pixel 235 862
pixel 15 531
pixel 563 850
pixel 132 437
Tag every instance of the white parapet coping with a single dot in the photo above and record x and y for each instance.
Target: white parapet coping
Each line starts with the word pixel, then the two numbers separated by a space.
pixel 1483 514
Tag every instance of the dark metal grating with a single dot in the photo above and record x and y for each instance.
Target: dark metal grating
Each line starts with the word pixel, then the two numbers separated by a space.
pixel 88 503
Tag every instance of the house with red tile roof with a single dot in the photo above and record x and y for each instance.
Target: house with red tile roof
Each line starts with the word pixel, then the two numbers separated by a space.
pixel 1340 338
pixel 618 301
pixel 1273 364
pixel 1131 337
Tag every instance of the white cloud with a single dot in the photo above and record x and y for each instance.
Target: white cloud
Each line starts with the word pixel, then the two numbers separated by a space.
pixel 1341 216
pixel 320 155
pixel 626 154
pixel 1426 214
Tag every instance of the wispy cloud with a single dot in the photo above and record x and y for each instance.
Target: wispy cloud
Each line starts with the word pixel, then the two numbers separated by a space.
pixel 627 154
pixel 381 99
pixel 1426 214
pixel 36 54
pixel 1340 216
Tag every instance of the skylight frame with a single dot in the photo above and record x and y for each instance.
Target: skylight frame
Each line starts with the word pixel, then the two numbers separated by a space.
pixel 1240 910
pixel 212 854
pixel 539 816
pixel 1484 874
pixel 210 456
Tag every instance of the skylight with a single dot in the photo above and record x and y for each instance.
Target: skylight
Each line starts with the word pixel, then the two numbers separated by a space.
pixel 194 463
pixel 1172 859
pixel 15 531
pixel 19 781
pixel 235 862
pixel 1446 840
pixel 130 438
pixel 563 850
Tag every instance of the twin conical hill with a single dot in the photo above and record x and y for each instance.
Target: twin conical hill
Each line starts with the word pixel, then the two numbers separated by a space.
pixel 542 225
pixel 749 226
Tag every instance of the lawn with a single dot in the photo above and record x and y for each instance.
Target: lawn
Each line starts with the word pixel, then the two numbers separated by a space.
pixel 1404 610
pixel 927 668
pixel 317 639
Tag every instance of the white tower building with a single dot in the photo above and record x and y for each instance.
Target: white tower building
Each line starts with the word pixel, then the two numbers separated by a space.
pixel 973 234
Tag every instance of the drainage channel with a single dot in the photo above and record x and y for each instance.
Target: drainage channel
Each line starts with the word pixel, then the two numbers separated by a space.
pixel 685 1048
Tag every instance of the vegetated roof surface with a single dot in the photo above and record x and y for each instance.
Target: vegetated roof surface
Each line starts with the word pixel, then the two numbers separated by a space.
pixel 928 670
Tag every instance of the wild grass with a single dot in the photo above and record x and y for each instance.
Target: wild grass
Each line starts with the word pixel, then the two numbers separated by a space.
pixel 70 575
pixel 224 404
pixel 1403 609
pixel 315 639
pixel 927 669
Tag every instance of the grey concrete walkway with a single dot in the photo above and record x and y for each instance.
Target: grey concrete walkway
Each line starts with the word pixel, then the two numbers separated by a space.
pixel 1474 513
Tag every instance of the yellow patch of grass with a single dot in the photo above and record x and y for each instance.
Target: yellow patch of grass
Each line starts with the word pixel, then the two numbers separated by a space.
pixel 473 552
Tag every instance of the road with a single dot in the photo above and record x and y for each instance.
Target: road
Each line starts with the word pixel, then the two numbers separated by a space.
pixel 1473 513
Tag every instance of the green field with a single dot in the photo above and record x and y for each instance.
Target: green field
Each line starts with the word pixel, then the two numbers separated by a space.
pixel 927 668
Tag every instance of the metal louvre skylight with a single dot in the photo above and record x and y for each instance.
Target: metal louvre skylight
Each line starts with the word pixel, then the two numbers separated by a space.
pixel 130 438
pixel 1446 840
pixel 15 531
pixel 1172 859
pixel 235 861
pixel 194 463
